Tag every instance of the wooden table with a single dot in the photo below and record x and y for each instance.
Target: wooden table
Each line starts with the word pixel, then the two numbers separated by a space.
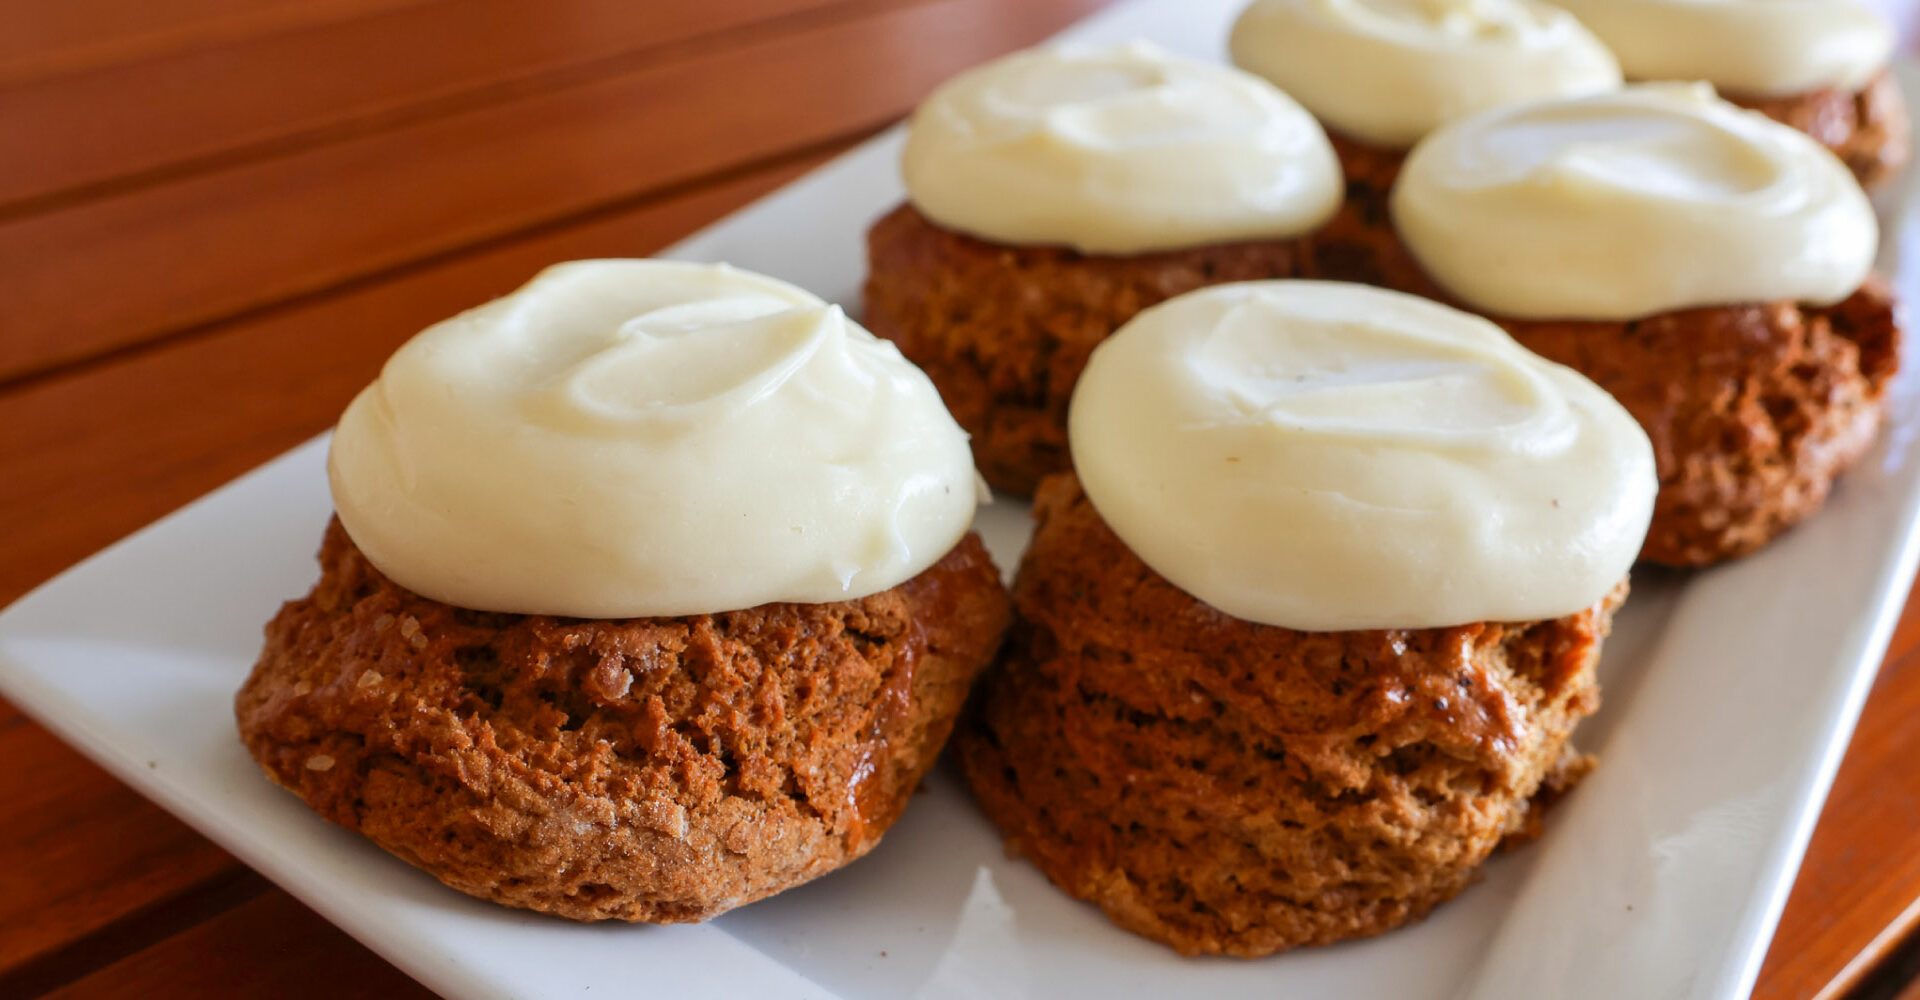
pixel 218 216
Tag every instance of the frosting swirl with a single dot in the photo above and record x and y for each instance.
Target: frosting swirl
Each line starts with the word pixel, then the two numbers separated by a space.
pixel 1427 62
pixel 626 438
pixel 1761 48
pixel 1326 456
pixel 1620 206
pixel 1117 149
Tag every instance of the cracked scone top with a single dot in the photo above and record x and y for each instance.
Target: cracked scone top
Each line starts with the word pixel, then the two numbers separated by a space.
pixel 1324 456
pixel 626 438
pixel 1426 62
pixel 1643 201
pixel 1117 149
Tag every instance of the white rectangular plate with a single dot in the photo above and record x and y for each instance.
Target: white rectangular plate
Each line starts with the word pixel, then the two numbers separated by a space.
pixel 1729 699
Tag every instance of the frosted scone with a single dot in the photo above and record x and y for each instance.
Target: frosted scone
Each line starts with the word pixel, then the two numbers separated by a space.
pixel 1380 74
pixel 1305 640
pixel 1706 265
pixel 1053 194
pixel 1821 66
pixel 651 593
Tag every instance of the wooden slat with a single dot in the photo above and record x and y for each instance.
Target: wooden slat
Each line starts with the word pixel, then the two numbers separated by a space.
pixel 79 850
pixel 268 947
pixel 1895 976
pixel 126 935
pixel 1888 965
pixel 78 130
pixel 1862 870
pixel 113 449
pixel 119 271
pixel 42 38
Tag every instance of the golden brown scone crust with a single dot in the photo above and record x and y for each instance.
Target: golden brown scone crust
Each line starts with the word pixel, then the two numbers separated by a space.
pixel 1867 128
pixel 1004 331
pixel 1232 788
pixel 1753 410
pixel 660 770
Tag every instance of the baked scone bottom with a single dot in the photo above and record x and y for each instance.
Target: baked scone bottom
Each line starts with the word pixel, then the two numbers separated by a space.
pixel 659 770
pixel 1231 788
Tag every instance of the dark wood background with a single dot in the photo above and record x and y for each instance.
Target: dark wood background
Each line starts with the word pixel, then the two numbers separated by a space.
pixel 217 217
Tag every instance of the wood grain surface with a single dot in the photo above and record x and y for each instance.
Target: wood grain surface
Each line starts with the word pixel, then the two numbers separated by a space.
pixel 217 217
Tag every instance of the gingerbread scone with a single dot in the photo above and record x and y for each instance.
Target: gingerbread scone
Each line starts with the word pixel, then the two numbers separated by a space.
pixel 1820 66
pixel 1705 264
pixel 1425 64
pixel 651 594
pixel 1053 194
pixel 1305 638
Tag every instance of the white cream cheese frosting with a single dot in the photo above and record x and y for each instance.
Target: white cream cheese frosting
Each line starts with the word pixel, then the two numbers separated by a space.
pixel 625 438
pixel 1760 48
pixel 1118 149
pixel 1326 456
pixel 1651 199
pixel 1386 72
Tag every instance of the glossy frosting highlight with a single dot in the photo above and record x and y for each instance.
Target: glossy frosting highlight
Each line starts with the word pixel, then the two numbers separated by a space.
pixel 1326 456
pixel 1760 48
pixel 1117 149
pixel 1615 207
pixel 1386 72
pixel 624 438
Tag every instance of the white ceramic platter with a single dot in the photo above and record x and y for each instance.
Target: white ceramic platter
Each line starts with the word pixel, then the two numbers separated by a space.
pixel 1729 699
